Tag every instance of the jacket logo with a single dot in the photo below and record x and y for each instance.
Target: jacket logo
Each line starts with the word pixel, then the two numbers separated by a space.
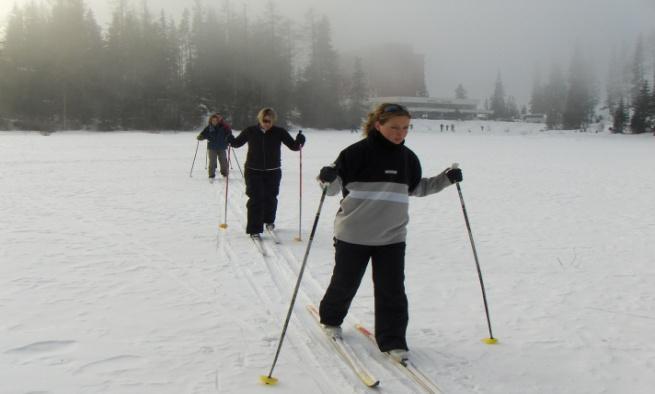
pixel 393 172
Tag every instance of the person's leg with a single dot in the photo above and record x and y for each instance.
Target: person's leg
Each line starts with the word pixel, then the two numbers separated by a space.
pixel 349 268
pixel 271 190
pixel 391 316
pixel 254 191
pixel 212 154
pixel 222 161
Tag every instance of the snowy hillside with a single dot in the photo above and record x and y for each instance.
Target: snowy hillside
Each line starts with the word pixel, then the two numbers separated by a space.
pixel 115 277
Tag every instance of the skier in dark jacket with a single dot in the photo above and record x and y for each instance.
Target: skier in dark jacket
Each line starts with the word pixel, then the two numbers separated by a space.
pixel 263 168
pixel 216 134
pixel 376 176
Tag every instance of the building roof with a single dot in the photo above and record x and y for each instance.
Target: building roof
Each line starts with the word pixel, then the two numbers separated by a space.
pixel 425 100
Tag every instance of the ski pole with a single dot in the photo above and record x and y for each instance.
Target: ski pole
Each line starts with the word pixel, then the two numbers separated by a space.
pixel 269 379
pixel 299 237
pixel 491 339
pixel 194 159
pixel 238 165
pixel 206 157
pixel 227 188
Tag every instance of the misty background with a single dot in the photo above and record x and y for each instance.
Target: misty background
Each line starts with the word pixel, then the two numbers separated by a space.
pixel 467 43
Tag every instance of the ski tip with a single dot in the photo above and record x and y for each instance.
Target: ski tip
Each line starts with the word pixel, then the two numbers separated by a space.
pixel 222 225
pixel 490 341
pixel 269 380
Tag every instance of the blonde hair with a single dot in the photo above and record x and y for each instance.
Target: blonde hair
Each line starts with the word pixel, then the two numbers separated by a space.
pixel 382 113
pixel 270 112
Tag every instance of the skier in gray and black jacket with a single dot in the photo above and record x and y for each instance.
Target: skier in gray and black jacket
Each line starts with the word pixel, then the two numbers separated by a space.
pixel 376 176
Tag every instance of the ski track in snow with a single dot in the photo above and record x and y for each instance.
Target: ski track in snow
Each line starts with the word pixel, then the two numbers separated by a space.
pixel 274 277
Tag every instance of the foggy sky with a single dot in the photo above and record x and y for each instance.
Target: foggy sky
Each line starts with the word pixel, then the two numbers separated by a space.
pixel 465 41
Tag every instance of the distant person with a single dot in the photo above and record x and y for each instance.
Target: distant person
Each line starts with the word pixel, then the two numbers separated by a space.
pixel 216 134
pixel 441 126
pixel 263 168
pixel 446 127
pixel 452 127
pixel 376 175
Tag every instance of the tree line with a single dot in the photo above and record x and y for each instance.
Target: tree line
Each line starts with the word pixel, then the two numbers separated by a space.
pixel 60 70
pixel 571 99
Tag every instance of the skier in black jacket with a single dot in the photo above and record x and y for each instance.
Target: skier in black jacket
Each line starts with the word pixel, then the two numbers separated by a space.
pixel 263 170
pixel 216 134
pixel 376 176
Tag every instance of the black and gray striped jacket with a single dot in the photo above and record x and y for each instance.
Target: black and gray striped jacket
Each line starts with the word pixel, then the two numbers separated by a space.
pixel 377 177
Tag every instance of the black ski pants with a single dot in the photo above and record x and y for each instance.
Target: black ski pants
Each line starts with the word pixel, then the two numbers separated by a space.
pixel 388 269
pixel 262 188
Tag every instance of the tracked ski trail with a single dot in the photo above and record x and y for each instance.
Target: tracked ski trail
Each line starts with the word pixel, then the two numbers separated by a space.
pixel 272 280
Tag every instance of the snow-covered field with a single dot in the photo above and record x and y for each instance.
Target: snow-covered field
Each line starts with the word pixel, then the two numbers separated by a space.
pixel 115 277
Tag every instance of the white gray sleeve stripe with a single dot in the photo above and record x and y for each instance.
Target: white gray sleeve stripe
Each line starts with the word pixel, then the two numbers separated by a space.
pixel 402 198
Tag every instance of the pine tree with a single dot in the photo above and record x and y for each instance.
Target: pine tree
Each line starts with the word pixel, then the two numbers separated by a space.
pixel 357 95
pixel 76 44
pixel 555 96
pixel 651 112
pixel 638 74
pixel 497 102
pixel 25 78
pixel 620 117
pixel 614 83
pixel 581 97
pixel 641 109
pixel 276 73
pixel 318 91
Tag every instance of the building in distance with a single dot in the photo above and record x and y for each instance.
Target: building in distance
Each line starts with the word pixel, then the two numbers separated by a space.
pixel 436 108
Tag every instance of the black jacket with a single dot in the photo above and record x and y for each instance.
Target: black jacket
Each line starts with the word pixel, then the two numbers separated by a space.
pixel 264 147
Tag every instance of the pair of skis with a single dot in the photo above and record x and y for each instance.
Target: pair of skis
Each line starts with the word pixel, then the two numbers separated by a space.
pixel 409 369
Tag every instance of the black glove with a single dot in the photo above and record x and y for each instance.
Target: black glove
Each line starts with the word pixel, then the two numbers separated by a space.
pixel 199 137
pixel 454 175
pixel 300 138
pixel 230 139
pixel 327 174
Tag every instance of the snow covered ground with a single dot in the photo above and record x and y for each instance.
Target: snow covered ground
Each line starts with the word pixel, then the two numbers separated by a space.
pixel 115 277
